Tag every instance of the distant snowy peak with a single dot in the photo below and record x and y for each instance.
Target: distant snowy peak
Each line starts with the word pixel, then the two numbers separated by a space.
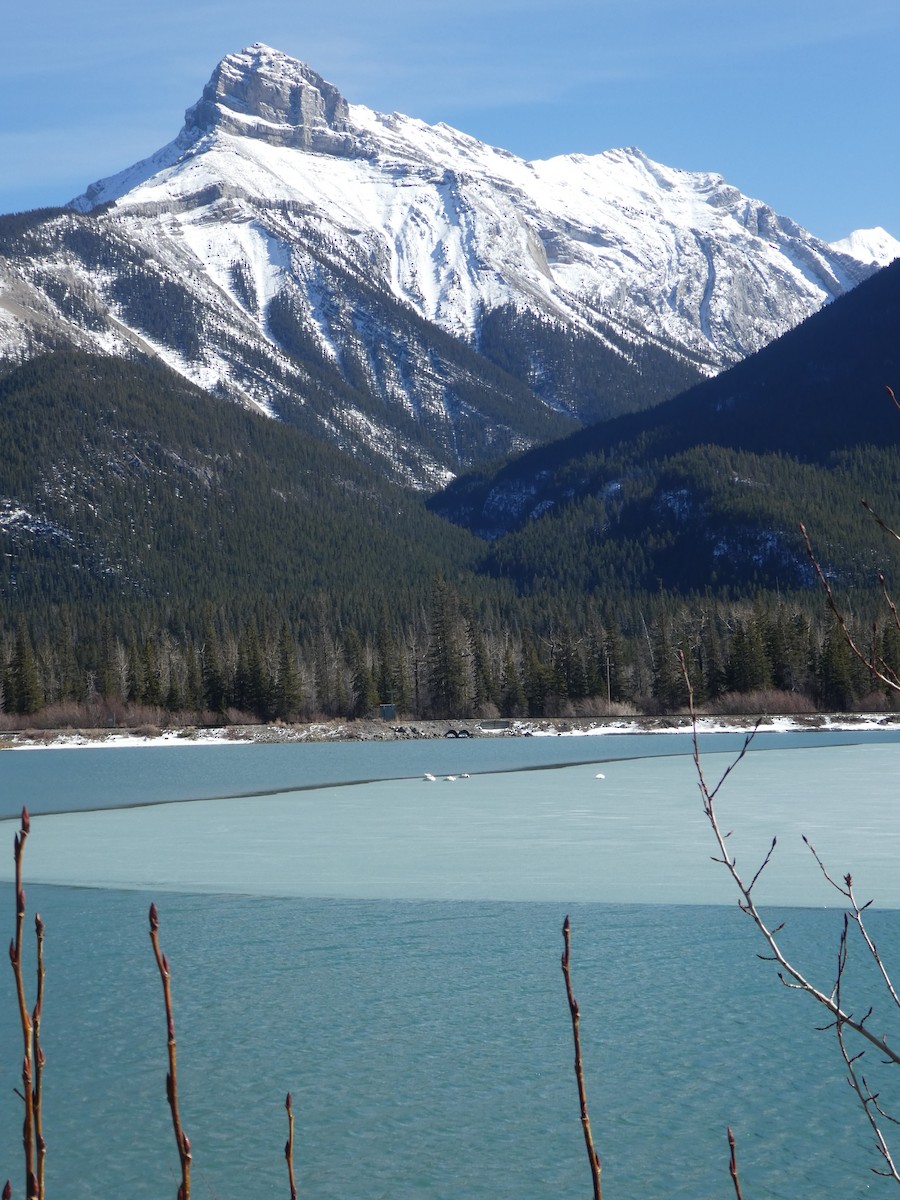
pixel 870 246
pixel 263 93
pixel 276 188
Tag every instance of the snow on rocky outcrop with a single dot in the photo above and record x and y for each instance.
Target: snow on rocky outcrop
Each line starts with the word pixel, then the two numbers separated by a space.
pixel 289 242
pixel 456 226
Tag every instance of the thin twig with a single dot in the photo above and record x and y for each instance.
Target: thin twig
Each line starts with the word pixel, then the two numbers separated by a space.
pixel 871 664
pixel 15 957
pixel 181 1138
pixel 879 520
pixel 790 975
pixel 593 1158
pixel 839 616
pixel 732 1165
pixel 40 1144
pixel 867 1098
pixel 856 915
pixel 891 605
pixel 289 1146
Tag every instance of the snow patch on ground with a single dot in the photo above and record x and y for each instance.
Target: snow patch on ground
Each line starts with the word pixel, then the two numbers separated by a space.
pixel 237 735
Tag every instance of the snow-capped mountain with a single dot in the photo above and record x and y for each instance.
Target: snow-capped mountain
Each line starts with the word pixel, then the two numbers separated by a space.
pixel 405 289
pixel 870 246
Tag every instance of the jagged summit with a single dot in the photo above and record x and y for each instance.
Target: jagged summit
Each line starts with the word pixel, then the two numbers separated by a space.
pixel 263 93
pixel 294 250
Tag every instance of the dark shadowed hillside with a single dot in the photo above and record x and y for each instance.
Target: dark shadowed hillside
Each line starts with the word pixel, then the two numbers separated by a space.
pixel 708 488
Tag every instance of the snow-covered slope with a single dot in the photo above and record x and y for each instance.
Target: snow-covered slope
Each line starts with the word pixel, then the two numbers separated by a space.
pixel 288 244
pixel 870 246
pixel 455 225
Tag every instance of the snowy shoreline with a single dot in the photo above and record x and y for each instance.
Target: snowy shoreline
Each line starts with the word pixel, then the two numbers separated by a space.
pixel 378 731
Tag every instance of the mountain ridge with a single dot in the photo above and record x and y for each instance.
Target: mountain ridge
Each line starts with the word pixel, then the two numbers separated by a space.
pixel 418 298
pixel 552 240
pixel 709 488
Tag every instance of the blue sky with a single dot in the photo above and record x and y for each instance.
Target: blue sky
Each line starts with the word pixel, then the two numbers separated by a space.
pixel 793 101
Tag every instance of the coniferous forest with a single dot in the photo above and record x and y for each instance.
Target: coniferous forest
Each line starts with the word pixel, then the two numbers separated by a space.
pixel 169 556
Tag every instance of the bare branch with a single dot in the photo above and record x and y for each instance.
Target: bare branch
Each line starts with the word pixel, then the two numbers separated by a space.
pixel 823 868
pixel 868 1100
pixel 839 616
pixel 40 1144
pixel 289 1145
pixel 880 520
pixel 765 862
pixel 790 975
pixel 893 610
pixel 593 1158
pixel 855 914
pixel 732 1165
pixel 25 1019
pixel 181 1138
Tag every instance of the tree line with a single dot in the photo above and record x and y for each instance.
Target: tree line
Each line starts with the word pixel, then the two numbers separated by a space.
pixel 768 655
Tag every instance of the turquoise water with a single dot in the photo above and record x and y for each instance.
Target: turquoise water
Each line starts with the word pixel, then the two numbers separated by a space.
pixel 637 835
pixel 389 952
pixel 75 779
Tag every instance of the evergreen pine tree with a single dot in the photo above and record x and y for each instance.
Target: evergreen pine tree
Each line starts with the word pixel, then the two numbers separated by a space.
pixel 288 692
pixel 193 690
pixel 365 695
pixel 152 681
pixel 446 665
pixel 668 683
pixel 834 674
pixel 22 689
pixel 512 694
pixel 485 692
pixel 215 693
pixel 537 680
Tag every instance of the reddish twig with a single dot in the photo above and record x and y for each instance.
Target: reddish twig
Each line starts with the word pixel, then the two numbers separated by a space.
pixel 181 1138
pixel 289 1146
pixel 732 1165
pixel 39 1143
pixel 15 957
pixel 593 1158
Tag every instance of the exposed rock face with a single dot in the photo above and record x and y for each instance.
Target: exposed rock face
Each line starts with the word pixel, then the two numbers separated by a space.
pixel 401 288
pixel 263 93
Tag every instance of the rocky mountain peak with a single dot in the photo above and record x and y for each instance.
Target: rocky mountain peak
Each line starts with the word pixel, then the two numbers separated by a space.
pixel 263 93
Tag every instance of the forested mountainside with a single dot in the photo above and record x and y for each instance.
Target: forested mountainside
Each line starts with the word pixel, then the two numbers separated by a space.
pixel 125 489
pixel 710 488
pixel 160 549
